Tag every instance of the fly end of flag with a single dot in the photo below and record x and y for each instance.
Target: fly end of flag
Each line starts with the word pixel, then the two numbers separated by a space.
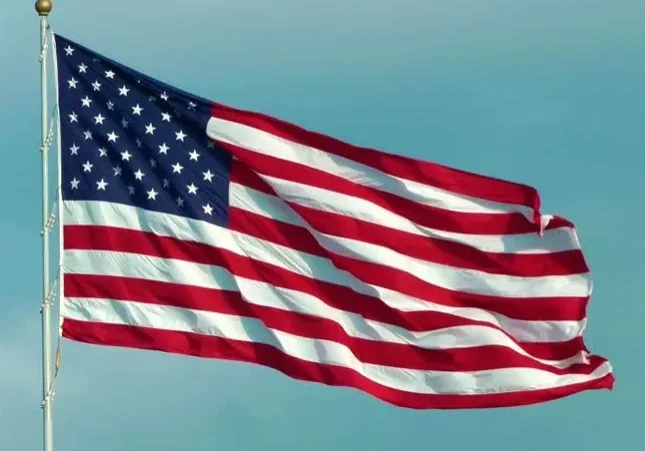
pixel 544 222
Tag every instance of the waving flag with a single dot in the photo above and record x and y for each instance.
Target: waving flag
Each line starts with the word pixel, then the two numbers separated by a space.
pixel 195 228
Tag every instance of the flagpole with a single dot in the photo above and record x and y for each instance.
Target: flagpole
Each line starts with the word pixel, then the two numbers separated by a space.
pixel 43 8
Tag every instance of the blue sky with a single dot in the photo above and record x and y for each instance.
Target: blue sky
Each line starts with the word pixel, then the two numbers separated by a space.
pixel 547 92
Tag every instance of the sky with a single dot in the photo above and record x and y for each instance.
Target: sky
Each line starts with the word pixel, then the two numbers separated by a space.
pixel 548 93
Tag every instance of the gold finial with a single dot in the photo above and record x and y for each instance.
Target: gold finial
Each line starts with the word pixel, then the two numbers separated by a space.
pixel 43 7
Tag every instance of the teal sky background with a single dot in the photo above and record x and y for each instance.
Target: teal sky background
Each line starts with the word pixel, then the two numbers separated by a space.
pixel 549 93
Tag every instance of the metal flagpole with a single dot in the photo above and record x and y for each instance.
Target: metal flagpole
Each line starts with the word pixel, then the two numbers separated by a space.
pixel 43 8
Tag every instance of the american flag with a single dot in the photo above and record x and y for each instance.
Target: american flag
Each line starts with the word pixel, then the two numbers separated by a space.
pixel 195 228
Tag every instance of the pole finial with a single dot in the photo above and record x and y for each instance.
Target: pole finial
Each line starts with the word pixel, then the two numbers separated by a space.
pixel 43 7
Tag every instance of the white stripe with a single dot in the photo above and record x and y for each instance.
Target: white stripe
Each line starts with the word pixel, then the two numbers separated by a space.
pixel 259 141
pixel 123 216
pixel 320 351
pixel 555 240
pixel 136 266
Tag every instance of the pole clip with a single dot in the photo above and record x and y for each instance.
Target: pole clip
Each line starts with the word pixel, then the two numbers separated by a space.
pixel 43 45
pixel 51 391
pixel 51 294
pixel 46 145
pixel 51 220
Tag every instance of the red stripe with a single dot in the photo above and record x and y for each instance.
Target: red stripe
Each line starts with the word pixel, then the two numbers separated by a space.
pixel 409 356
pixel 220 348
pixel 123 240
pixel 445 252
pixel 424 215
pixel 457 181
pixel 545 309
pixel 449 253
pixel 243 175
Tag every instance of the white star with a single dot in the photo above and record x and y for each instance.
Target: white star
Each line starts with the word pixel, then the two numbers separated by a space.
pixel 109 74
pixel 124 123
pixel 125 156
pixel 152 194
pixel 86 101
pixel 166 183
pixel 211 145
pixel 152 98
pixel 139 175
pixel 96 85
pixel 139 143
pixel 117 170
pixel 153 163
pixel 69 51
pixel 99 119
pixel 101 185
pixel 87 167
pixel 208 175
pixel 181 135
pixel 110 105
pixel 137 110
pixel 192 189
pixel 73 117
pixel 112 137
pixel 180 202
pixel 74 183
pixel 124 91
pixel 88 135
pixel 150 129
pixel 102 152
pixel 177 168
pixel 164 95
pixel 130 189
pixel 208 209
pixel 165 117
pixel 164 149
pixel 82 68
pixel 72 83
pixel 194 155
pixel 74 149
pixel 191 106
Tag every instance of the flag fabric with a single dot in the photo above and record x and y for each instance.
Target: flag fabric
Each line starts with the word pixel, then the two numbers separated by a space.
pixel 195 228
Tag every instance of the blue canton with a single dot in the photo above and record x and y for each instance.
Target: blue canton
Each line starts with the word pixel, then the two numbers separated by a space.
pixel 130 139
